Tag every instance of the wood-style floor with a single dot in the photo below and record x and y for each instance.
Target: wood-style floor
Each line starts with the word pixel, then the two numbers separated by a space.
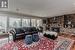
pixel 71 37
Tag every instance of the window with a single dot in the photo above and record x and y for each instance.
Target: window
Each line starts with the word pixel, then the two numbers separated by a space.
pixel 39 22
pixel 36 22
pixel 14 22
pixel 3 24
pixel 7 23
pixel 25 22
pixel 33 22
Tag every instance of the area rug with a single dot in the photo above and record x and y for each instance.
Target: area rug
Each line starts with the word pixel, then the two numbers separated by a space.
pixel 64 43
pixel 43 44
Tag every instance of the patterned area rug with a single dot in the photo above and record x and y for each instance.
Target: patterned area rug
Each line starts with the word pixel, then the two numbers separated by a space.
pixel 64 43
pixel 42 44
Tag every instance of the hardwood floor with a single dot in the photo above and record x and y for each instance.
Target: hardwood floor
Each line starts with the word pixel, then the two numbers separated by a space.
pixel 71 37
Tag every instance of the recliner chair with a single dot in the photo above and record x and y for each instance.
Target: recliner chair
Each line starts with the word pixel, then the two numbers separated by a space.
pixel 28 39
pixel 35 37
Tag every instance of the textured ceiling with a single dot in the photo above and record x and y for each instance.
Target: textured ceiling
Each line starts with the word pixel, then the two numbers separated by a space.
pixel 42 8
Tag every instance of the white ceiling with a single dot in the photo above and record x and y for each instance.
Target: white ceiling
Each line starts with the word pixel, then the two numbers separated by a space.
pixel 42 8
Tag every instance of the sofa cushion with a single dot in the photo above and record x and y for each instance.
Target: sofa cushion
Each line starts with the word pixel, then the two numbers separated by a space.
pixel 19 30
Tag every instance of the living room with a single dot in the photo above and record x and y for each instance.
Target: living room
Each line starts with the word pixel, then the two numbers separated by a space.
pixel 37 25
